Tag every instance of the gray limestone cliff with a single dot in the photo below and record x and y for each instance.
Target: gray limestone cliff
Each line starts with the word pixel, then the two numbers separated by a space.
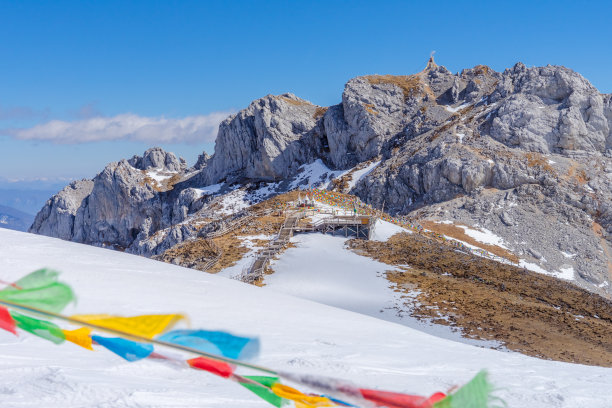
pixel 120 203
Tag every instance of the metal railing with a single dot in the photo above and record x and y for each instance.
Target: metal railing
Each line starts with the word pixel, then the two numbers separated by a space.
pixel 227 228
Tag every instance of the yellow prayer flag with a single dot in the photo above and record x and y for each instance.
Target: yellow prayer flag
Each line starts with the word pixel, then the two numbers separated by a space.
pixel 81 337
pixel 145 325
pixel 301 400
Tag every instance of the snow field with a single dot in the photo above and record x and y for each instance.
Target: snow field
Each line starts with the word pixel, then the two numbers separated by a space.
pixel 296 335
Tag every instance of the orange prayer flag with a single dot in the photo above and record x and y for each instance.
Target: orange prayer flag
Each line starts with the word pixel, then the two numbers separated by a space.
pixel 301 400
pixel 81 337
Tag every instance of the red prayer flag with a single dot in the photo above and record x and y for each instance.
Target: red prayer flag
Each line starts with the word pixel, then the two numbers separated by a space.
pixel 396 400
pixel 219 368
pixel 6 321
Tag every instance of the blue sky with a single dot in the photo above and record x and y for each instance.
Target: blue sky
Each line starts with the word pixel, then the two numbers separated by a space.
pixel 176 66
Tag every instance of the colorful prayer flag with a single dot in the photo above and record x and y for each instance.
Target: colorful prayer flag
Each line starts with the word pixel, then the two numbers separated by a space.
pixel 214 342
pixel 264 393
pixel 474 394
pixel 6 321
pixel 397 400
pixel 41 290
pixel 147 326
pixel 301 400
pixel 36 279
pixel 41 328
pixel 126 349
pixel 219 368
pixel 81 337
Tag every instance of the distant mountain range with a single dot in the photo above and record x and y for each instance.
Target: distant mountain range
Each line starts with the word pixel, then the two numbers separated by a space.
pixel 14 219
pixel 20 200
pixel 28 195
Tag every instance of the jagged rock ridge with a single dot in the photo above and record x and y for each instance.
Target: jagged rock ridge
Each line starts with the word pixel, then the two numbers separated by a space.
pixel 525 153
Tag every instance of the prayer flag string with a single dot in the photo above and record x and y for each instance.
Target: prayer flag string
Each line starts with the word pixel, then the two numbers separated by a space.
pixel 218 353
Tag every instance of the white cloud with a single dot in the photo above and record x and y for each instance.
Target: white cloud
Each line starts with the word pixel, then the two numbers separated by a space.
pixel 191 129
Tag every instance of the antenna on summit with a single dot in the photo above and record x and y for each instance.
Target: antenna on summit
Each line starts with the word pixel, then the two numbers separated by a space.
pixel 431 63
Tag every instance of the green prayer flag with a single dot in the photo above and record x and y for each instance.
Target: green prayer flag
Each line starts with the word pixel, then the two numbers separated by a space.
pixel 41 290
pixel 41 328
pixel 474 394
pixel 265 393
pixel 36 279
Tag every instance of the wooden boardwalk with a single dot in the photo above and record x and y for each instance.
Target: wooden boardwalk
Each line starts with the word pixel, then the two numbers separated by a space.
pixel 359 226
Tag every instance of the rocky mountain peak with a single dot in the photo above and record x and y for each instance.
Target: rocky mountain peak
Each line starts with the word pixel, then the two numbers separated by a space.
pixel 158 158
pixel 268 140
pixel 525 153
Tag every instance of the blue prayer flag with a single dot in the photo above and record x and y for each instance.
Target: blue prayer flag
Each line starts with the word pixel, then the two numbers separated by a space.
pixel 129 350
pixel 214 342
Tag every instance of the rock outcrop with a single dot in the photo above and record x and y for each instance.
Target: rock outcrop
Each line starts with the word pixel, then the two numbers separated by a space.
pixel 269 140
pixel 57 217
pixel 120 204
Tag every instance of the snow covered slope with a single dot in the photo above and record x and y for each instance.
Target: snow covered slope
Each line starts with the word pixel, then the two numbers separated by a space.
pixel 322 269
pixel 296 335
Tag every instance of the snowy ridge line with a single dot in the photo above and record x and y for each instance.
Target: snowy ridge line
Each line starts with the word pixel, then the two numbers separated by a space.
pixel 477 391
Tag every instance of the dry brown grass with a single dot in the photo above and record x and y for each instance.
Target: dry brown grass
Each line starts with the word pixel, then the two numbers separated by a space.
pixel 446 126
pixel 192 254
pixel 319 112
pixel 411 85
pixel 465 111
pixel 453 231
pixel 275 201
pixel 599 231
pixel 165 185
pixel 369 107
pixel 232 245
pixel 531 313
pixel 578 175
pixel 148 181
pixel 294 102
pixel 537 160
pixel 169 184
pixel 268 224
pixel 341 184
pixel 482 70
pixel 233 251
pixel 196 254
